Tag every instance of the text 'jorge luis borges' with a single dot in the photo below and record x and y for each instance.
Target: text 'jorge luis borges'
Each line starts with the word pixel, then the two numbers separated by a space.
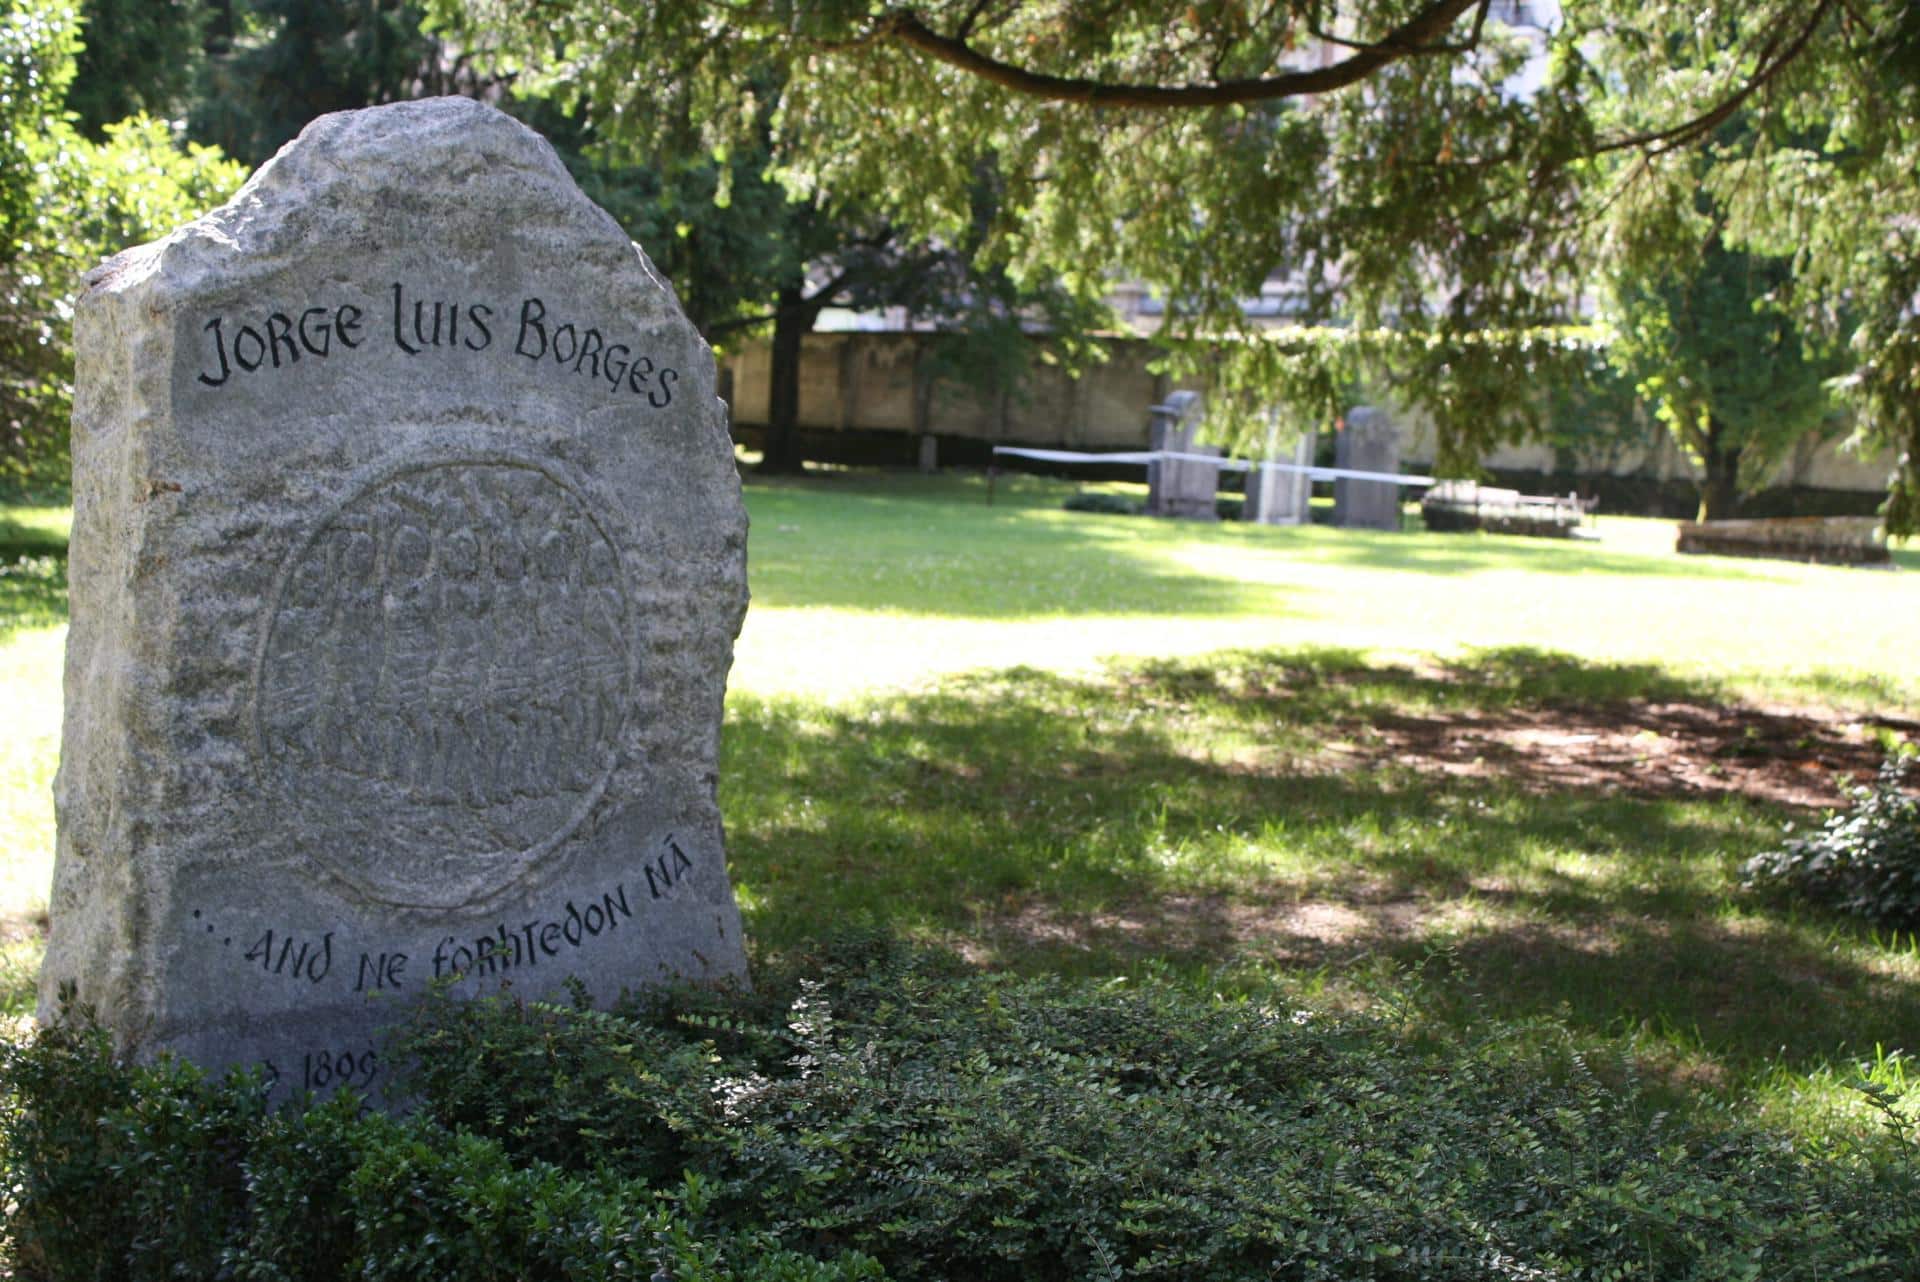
pixel 549 342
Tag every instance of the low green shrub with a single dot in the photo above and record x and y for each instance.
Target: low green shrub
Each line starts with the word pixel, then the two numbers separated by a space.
pixel 112 1171
pixel 889 1115
pixel 1865 859
pixel 120 1171
pixel 573 1087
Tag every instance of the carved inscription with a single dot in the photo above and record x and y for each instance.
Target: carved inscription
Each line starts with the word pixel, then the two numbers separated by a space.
pixel 546 340
pixel 553 935
pixel 325 1068
pixel 445 670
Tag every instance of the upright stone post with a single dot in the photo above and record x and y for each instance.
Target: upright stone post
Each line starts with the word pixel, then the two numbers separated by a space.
pixel 1179 487
pixel 1369 443
pixel 1276 497
pixel 407 559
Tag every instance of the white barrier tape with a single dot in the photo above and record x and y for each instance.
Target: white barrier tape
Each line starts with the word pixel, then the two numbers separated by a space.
pixel 1230 464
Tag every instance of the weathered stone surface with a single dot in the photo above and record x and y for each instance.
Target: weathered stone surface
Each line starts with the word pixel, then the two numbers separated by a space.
pixel 1830 540
pixel 1368 443
pixel 1180 488
pixel 1276 497
pixel 407 558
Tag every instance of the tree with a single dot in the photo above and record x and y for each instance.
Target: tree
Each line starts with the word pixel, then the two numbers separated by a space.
pixel 1724 365
pixel 1379 151
pixel 66 202
pixel 750 254
pixel 276 64
pixel 138 57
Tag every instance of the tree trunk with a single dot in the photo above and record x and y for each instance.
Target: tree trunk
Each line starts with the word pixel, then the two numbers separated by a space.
pixel 1720 489
pixel 792 318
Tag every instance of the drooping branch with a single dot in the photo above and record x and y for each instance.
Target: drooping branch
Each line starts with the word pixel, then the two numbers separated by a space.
pixel 1417 36
pixel 1775 56
pixel 1471 43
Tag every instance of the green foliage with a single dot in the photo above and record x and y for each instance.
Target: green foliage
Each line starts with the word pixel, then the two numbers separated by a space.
pixel 1707 338
pixel 38 41
pixel 139 58
pixel 894 1113
pixel 115 1171
pixel 66 203
pixel 276 64
pixel 73 1122
pixel 558 1085
pixel 1427 193
pixel 1864 860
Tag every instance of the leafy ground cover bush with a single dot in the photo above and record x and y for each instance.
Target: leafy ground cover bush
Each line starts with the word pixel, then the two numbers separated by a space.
pixel 1865 859
pixel 889 1115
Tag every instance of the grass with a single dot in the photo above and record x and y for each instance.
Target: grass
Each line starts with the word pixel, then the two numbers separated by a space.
pixel 33 612
pixel 864 580
pixel 1103 745
pixel 1200 815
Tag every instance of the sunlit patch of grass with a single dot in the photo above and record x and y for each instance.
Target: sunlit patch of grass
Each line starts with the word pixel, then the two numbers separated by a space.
pixel 867 579
pixel 34 527
pixel 30 692
pixel 33 593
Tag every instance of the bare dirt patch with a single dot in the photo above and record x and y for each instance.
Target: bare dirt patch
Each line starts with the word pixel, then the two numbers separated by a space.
pixel 1641 748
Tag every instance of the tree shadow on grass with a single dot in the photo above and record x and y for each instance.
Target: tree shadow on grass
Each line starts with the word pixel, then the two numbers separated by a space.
pixel 1189 814
pixel 33 570
pixel 33 591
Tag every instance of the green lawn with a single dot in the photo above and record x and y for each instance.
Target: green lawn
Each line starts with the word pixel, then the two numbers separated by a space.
pixel 1343 763
pixel 900 576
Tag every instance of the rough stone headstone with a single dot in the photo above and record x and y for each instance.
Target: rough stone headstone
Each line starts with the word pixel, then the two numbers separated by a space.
pixel 408 554
pixel 1368 443
pixel 1276 497
pixel 1179 487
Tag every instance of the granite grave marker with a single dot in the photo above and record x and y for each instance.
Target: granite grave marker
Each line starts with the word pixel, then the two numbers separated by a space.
pixel 1368 443
pixel 1276 497
pixel 407 559
pixel 1180 488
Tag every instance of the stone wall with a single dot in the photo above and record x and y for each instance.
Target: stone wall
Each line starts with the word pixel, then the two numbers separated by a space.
pixel 864 398
pixel 858 383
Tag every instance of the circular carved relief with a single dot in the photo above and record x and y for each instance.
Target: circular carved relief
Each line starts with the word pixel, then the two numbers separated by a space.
pixel 445 668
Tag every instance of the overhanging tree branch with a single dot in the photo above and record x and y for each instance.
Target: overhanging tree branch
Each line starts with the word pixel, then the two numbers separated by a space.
pixel 1418 35
pixel 1471 43
pixel 1774 58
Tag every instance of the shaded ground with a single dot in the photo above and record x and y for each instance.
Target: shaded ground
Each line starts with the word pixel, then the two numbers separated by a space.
pixel 1568 833
pixel 1639 748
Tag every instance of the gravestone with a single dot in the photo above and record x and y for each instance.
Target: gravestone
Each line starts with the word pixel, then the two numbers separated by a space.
pixel 1180 488
pixel 1277 497
pixel 1368 443
pixel 407 558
